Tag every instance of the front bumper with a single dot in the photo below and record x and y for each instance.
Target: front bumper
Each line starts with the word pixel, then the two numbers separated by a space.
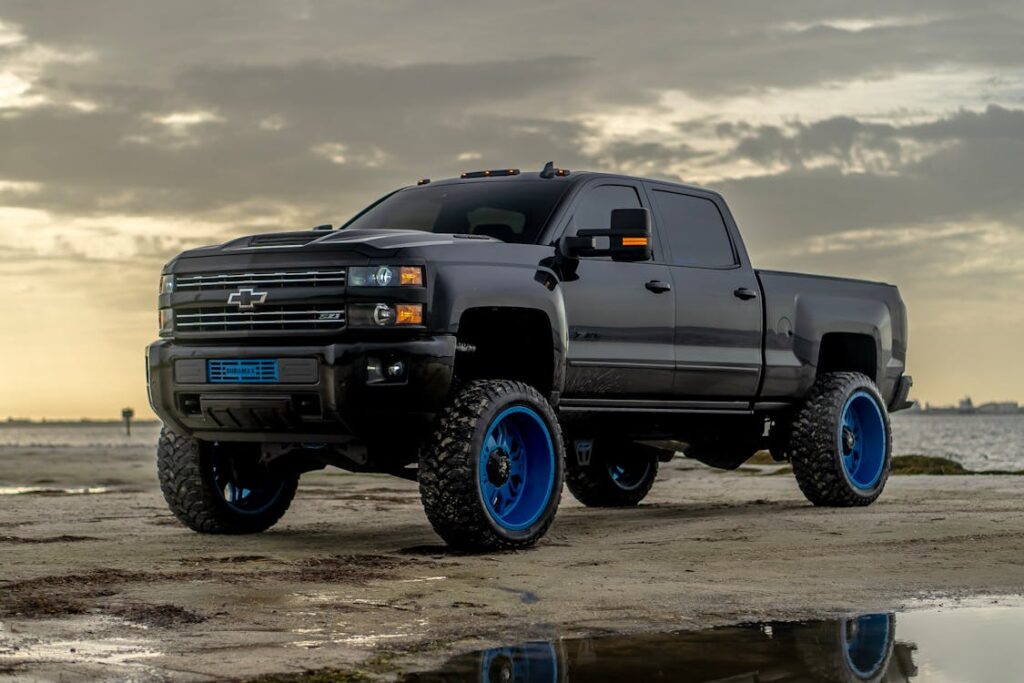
pixel 324 392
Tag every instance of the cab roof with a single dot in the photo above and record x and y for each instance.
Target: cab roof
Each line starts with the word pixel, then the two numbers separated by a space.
pixel 571 178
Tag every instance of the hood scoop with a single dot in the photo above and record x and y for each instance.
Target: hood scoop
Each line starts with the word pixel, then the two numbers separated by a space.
pixel 272 240
pixel 283 239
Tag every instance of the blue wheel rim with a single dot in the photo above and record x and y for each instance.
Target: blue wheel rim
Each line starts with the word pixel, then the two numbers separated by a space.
pixel 630 475
pixel 866 643
pixel 517 468
pixel 862 440
pixel 238 497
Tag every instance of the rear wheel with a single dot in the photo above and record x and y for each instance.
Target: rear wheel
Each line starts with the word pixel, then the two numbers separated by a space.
pixel 220 488
pixel 841 445
pixel 491 474
pixel 609 473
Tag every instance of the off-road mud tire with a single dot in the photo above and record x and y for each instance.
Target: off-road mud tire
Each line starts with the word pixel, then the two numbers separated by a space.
pixel 449 467
pixel 814 448
pixel 592 484
pixel 187 486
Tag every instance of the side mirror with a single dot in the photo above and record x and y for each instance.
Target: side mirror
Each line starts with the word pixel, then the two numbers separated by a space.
pixel 629 238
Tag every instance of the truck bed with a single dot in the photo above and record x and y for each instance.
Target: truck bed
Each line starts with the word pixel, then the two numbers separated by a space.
pixel 803 310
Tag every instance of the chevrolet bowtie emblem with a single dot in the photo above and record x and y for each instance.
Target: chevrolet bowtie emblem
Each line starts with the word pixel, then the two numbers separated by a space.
pixel 246 299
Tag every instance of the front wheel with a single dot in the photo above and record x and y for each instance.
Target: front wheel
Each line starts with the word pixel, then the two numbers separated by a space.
pixel 609 473
pixel 220 488
pixel 840 443
pixel 491 474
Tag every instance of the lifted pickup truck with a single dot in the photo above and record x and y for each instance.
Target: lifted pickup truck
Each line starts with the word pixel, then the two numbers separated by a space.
pixel 494 335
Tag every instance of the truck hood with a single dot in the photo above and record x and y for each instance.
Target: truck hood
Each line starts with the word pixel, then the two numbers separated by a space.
pixel 351 248
pixel 362 242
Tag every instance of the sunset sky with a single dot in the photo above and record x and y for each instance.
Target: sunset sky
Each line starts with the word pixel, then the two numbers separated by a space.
pixel 872 139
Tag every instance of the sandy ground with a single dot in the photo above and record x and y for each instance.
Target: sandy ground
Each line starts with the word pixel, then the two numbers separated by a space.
pixel 99 581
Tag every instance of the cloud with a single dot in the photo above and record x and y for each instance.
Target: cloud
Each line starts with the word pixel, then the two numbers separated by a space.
pixel 874 176
pixel 881 140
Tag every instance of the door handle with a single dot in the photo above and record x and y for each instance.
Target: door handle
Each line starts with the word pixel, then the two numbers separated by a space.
pixel 745 294
pixel 657 286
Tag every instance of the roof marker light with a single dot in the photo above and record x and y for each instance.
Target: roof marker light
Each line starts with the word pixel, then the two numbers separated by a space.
pixel 490 173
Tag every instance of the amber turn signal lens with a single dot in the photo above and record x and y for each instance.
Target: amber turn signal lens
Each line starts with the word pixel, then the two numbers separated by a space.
pixel 634 241
pixel 409 314
pixel 411 276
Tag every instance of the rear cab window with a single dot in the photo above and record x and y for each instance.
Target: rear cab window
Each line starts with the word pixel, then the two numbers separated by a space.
pixel 694 230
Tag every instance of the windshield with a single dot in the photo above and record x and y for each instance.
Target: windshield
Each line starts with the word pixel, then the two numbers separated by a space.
pixel 507 210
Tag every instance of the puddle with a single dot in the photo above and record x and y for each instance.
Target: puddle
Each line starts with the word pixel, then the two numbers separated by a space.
pixel 961 645
pixel 49 491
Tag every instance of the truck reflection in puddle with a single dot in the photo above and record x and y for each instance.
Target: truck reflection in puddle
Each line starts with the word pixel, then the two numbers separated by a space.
pixel 857 649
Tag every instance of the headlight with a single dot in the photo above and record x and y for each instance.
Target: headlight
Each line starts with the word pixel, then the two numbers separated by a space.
pixel 385 276
pixel 166 284
pixel 166 322
pixel 384 315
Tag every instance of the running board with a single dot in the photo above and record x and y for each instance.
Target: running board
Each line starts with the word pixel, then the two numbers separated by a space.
pixel 609 405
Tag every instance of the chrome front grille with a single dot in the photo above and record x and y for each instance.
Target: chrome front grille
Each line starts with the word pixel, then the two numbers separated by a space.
pixel 325 277
pixel 266 318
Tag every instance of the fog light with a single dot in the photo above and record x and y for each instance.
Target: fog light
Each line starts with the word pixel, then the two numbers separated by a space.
pixel 396 369
pixel 374 370
pixel 307 404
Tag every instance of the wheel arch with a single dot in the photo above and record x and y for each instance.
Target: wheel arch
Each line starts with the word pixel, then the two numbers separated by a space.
pixel 848 352
pixel 469 297
pixel 834 334
pixel 509 342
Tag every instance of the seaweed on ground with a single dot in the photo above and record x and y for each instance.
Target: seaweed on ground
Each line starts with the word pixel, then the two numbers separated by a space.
pixel 926 464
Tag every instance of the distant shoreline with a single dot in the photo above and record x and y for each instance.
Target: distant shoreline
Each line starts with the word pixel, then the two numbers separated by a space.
pixel 947 413
pixel 74 423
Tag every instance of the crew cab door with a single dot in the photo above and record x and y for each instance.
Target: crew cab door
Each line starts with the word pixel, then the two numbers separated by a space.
pixel 621 315
pixel 718 307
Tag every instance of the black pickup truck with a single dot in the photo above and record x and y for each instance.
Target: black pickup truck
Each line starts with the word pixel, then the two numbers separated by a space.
pixel 494 335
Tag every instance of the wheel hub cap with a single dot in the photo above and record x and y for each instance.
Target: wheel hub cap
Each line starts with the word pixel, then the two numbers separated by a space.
pixel 849 440
pixel 499 467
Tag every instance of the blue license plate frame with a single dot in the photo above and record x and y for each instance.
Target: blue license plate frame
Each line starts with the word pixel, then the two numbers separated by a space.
pixel 243 371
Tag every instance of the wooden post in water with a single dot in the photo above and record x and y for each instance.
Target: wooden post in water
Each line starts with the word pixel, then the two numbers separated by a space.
pixel 127 414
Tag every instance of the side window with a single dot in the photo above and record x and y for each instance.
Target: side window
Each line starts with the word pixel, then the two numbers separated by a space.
pixel 595 211
pixel 695 231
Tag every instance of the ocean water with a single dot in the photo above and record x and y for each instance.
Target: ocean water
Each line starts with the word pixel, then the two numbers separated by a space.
pixel 978 442
pixel 100 435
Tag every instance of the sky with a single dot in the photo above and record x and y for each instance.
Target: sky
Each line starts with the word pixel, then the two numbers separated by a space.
pixel 882 140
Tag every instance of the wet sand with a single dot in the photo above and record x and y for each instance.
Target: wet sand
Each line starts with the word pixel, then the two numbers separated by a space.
pixel 97 579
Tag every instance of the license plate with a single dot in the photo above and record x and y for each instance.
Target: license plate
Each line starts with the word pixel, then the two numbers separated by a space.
pixel 255 371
